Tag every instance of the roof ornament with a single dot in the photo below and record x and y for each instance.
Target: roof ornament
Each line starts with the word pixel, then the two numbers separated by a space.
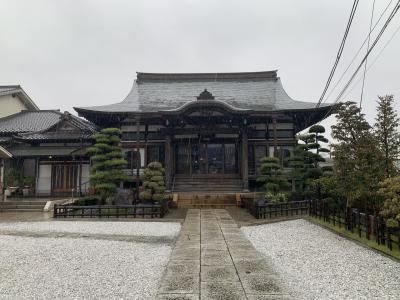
pixel 205 95
pixel 65 116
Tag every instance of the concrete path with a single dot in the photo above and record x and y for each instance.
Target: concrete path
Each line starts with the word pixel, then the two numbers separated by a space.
pixel 212 259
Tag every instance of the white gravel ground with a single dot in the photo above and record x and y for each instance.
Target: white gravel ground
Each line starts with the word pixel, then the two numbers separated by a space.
pixel 86 227
pixel 80 268
pixel 318 264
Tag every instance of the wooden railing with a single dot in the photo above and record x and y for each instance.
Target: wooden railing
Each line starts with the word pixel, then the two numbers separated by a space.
pixel 265 210
pixel 111 211
pixel 368 226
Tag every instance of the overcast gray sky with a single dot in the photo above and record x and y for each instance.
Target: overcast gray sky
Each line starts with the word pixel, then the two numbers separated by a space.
pixel 69 53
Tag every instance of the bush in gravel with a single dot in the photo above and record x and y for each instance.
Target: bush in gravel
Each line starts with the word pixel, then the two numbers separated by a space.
pixel 153 183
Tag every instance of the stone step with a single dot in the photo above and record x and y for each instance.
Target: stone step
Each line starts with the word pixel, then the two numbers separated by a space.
pixel 22 206
pixel 206 200
pixel 23 203
pixel 207 206
pixel 21 209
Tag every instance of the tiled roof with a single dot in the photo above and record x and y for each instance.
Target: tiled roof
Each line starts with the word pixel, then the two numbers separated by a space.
pixel 28 123
pixel 55 136
pixel 152 92
pixel 42 151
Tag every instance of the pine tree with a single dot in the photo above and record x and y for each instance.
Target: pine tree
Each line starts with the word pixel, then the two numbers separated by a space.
pixel 358 160
pixel 107 169
pixel 306 157
pixel 386 132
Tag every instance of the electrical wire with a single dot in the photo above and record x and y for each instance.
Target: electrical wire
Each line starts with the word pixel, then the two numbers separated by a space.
pixel 358 52
pixel 366 61
pixel 374 61
pixel 340 51
pixel 390 18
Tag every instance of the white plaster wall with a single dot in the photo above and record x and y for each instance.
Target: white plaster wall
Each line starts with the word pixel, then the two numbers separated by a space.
pixel 44 180
pixel 10 105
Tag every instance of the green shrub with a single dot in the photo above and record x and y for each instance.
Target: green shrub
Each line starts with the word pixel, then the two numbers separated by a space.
pixel 153 182
pixel 145 196
pixel 276 197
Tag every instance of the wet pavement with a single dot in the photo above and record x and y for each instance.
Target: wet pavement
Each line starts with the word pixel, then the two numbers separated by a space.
pixel 212 259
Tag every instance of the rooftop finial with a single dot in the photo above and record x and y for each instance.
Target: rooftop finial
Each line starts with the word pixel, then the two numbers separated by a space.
pixel 205 95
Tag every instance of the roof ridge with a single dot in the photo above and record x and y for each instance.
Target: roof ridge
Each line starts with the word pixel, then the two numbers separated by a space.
pixel 10 86
pixel 216 76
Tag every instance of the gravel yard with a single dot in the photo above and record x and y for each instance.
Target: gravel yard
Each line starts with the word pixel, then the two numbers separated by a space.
pixel 318 264
pixel 96 227
pixel 40 267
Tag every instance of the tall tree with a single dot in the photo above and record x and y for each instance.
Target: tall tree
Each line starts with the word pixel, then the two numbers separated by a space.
pixel 386 132
pixel 107 169
pixel 358 159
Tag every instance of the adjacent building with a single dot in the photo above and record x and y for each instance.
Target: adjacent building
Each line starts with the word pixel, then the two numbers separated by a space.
pixel 48 151
pixel 207 125
pixel 13 99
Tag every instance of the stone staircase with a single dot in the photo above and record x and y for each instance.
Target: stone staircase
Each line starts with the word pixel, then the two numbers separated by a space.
pixel 207 184
pixel 22 206
pixel 206 200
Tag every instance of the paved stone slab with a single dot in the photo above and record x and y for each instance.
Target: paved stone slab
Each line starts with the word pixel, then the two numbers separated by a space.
pixel 178 297
pixel 212 259
pixel 218 273
pixel 183 283
pixel 222 290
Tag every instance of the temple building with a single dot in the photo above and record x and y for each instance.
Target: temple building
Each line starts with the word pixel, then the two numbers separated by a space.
pixel 207 128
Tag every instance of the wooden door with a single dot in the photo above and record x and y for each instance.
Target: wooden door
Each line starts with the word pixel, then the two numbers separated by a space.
pixel 64 178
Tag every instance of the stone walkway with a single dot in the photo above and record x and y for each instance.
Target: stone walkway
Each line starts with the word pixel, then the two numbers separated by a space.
pixel 212 259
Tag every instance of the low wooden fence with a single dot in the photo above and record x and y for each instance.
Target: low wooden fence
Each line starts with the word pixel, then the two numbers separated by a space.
pixel 369 226
pixel 111 211
pixel 265 210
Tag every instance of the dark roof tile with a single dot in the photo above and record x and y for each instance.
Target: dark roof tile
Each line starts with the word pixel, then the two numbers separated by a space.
pixel 152 92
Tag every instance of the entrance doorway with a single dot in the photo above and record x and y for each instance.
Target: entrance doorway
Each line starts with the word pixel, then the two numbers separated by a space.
pixel 206 158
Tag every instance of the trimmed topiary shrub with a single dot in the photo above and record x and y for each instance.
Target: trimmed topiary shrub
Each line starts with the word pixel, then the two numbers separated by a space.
pixel 153 183
pixel 107 169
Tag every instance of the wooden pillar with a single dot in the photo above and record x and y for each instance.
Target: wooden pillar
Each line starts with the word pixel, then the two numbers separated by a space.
pixel 245 160
pixel 1 175
pixel 275 136
pixel 137 156
pixel 37 166
pixel 80 176
pixel 168 161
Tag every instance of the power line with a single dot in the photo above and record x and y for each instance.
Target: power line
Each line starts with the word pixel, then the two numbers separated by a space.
pixel 366 61
pixel 358 52
pixel 374 61
pixel 391 16
pixel 340 51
